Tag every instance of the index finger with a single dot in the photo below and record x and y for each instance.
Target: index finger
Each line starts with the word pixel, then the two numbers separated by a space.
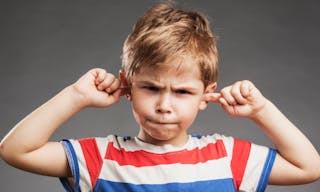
pixel 212 97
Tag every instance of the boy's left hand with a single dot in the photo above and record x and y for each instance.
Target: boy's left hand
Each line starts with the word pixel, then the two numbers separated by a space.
pixel 241 99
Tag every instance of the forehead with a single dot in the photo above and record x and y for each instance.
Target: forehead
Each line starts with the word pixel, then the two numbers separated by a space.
pixel 179 67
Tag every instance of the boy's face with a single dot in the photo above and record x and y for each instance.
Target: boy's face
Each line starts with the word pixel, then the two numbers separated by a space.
pixel 166 100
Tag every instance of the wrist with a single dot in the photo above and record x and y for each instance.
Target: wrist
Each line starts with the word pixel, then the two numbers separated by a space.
pixel 76 100
pixel 263 112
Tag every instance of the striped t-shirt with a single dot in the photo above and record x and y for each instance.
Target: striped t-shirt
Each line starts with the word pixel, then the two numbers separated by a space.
pixel 203 164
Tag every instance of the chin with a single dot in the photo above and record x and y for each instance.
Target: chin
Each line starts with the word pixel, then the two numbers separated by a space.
pixel 161 136
pixel 153 137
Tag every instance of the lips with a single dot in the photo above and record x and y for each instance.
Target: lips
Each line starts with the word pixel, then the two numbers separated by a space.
pixel 160 122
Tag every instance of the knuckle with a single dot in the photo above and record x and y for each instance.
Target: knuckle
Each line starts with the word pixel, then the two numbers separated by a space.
pixel 246 82
pixel 110 75
pixel 234 91
pixel 225 90
pixel 237 82
pixel 100 70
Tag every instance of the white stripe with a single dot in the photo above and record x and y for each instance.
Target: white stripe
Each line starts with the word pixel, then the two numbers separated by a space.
pixel 254 168
pixel 160 174
pixel 135 144
pixel 85 182
pixel 102 144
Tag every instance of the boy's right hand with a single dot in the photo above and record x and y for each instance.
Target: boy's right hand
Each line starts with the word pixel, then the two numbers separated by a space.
pixel 24 149
pixel 97 88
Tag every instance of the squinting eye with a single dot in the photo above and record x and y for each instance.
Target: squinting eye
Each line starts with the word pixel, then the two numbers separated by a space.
pixel 182 92
pixel 151 88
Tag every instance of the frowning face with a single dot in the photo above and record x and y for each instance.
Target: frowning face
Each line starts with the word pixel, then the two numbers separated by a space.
pixel 166 100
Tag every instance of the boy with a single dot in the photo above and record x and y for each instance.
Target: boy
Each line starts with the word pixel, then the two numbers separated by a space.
pixel 169 74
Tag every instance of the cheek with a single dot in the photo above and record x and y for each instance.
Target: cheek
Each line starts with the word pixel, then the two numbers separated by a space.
pixel 138 113
pixel 141 105
pixel 188 111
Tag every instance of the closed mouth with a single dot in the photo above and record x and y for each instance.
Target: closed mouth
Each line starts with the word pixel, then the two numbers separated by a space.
pixel 161 122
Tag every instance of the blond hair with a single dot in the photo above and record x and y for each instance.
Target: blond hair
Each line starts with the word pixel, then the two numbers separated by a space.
pixel 164 32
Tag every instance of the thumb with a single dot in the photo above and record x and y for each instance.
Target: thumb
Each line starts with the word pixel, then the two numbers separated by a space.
pixel 212 97
pixel 115 96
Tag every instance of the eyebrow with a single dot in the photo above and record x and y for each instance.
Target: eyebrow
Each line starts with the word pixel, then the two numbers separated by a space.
pixel 152 83
pixel 159 85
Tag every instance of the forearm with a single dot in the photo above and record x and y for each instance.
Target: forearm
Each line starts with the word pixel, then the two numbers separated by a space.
pixel 290 142
pixel 35 129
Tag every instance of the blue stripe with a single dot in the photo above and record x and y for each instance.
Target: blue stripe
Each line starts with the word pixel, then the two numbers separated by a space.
pixel 263 182
pixel 221 185
pixel 74 167
pixel 197 136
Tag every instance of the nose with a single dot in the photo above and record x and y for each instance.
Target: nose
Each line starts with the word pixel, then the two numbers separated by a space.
pixel 164 104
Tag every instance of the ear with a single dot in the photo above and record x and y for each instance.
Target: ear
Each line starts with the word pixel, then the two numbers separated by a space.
pixel 209 89
pixel 124 85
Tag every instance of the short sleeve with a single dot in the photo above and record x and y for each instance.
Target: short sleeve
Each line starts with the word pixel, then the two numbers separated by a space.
pixel 258 168
pixel 251 165
pixel 85 158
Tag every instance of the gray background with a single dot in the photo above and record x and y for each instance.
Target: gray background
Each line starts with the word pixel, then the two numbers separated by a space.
pixel 46 45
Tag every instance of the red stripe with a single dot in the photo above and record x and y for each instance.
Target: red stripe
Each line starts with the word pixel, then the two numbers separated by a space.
pixel 93 158
pixel 143 158
pixel 240 155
